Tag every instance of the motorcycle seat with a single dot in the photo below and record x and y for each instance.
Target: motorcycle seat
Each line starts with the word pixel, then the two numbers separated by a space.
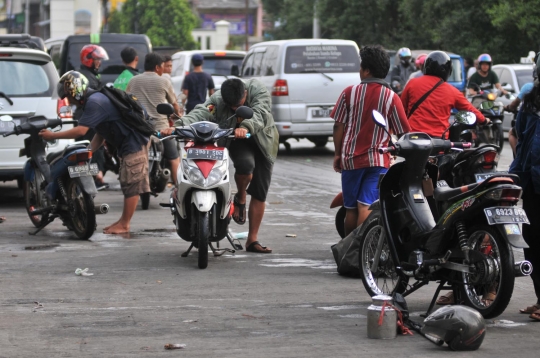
pixel 55 156
pixel 445 193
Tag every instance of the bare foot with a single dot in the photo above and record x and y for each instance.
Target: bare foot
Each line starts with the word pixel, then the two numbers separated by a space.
pixel 116 229
pixel 108 227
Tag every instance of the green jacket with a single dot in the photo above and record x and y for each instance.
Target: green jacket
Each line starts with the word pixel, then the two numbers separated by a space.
pixel 261 126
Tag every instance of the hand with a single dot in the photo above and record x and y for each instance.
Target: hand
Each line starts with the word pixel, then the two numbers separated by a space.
pixel 46 134
pixel 167 132
pixel 240 133
pixel 487 122
pixel 337 163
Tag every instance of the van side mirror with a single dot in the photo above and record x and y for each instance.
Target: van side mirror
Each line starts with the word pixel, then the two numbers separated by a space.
pixel 235 71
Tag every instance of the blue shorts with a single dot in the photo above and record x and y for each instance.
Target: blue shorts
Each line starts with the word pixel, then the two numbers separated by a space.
pixel 360 186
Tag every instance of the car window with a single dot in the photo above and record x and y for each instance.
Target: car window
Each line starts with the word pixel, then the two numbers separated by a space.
pixel 247 68
pixel 506 78
pixel 322 58
pixel 114 64
pixel 220 65
pixel 54 52
pixel 457 74
pixel 257 61
pixel 523 77
pixel 178 66
pixel 269 61
pixel 27 78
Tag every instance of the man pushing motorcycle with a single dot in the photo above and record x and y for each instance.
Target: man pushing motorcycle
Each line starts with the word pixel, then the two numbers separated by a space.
pixel 253 157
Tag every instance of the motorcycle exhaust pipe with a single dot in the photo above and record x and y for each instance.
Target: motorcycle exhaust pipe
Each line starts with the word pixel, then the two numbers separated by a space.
pixel 101 209
pixel 522 268
pixel 161 180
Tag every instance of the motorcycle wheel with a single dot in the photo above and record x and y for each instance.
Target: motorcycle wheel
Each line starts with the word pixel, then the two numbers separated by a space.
pixel 498 135
pixel 35 198
pixel 340 221
pixel 145 201
pixel 203 232
pixel 385 280
pixel 319 142
pixel 81 208
pixel 500 261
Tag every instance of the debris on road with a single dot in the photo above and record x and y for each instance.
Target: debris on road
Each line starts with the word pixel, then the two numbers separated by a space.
pixel 41 247
pixel 37 307
pixel 241 235
pixel 81 272
pixel 175 346
pixel 189 321
pixel 290 235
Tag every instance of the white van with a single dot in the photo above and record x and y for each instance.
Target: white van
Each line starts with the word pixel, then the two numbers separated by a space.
pixel 305 77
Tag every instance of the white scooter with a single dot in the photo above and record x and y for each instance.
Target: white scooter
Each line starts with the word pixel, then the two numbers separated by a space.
pixel 201 203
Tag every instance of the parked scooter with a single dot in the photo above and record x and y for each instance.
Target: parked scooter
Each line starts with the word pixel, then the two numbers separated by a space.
pixel 60 184
pixel 467 246
pixel 159 175
pixel 201 203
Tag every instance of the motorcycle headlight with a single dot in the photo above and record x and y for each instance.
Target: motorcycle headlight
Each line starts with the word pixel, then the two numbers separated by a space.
pixel 194 174
pixel 491 96
pixel 216 174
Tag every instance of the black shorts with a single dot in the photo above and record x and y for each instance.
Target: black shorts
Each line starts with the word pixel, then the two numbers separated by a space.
pixel 170 150
pixel 248 159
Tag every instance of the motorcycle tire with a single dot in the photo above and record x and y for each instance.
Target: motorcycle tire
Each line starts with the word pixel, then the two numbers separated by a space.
pixel 145 201
pixel 376 283
pixel 340 221
pixel 35 198
pixel 320 141
pixel 203 232
pixel 498 135
pixel 490 243
pixel 81 208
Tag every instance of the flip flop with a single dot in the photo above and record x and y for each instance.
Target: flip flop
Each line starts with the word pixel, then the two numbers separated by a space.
pixel 535 315
pixel 531 309
pixel 446 299
pixel 2 219
pixel 260 249
pixel 242 208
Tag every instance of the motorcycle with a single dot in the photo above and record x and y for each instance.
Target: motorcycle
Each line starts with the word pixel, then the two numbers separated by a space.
pixel 159 175
pixel 201 202
pixel 60 184
pixel 467 246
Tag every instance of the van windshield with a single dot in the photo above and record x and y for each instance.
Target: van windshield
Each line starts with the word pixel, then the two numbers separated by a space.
pixel 457 75
pixel 322 58
pixel 220 65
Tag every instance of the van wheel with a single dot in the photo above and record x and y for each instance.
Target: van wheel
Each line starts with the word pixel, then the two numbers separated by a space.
pixel 319 141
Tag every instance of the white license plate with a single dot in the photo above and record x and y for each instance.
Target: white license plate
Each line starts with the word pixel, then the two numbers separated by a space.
pixel 9 126
pixel 321 113
pixel 210 154
pixel 156 157
pixel 480 177
pixel 506 215
pixel 83 170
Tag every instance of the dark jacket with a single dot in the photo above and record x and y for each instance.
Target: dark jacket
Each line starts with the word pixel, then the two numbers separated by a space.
pixel 527 161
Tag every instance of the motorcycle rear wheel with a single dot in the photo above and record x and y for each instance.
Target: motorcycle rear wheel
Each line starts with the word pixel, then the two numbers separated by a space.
pixel 386 280
pixel 203 232
pixel 490 243
pixel 340 221
pixel 35 198
pixel 81 206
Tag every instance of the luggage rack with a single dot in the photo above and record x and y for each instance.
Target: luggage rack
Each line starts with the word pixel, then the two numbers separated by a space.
pixel 22 41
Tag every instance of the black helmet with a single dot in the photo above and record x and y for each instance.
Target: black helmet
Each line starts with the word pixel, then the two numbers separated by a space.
pixel 438 64
pixel 462 328
pixel 536 67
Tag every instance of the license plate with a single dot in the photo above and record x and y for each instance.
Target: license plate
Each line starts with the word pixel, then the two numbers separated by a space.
pixel 83 170
pixel 9 126
pixel 210 154
pixel 506 215
pixel 321 113
pixel 480 177
pixel 156 157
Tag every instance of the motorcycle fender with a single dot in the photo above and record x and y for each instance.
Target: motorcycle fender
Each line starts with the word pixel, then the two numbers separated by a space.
pixel 514 240
pixel 204 200
pixel 376 205
pixel 87 184
pixel 28 171
pixel 338 201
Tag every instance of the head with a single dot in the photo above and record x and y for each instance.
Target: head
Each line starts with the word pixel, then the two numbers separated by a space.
pixel 484 62
pixel 197 60
pixel 405 55
pixel 129 55
pixel 92 55
pixel 419 62
pixel 167 64
pixel 72 85
pixel 233 92
pixel 374 62
pixel 438 64
pixel 469 62
pixel 153 62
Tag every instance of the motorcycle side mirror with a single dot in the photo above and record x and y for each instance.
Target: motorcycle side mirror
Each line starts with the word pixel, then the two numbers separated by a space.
pixel 165 108
pixel 486 105
pixel 464 117
pixel 378 118
pixel 6 118
pixel 65 111
pixel 244 112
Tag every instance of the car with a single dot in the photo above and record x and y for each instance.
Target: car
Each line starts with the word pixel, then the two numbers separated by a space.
pixel 54 48
pixel 512 77
pixel 27 88
pixel 305 78
pixel 220 64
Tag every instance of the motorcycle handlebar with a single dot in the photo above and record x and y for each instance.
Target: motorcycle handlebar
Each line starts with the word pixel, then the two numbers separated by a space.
pixel 391 149
pixel 9 133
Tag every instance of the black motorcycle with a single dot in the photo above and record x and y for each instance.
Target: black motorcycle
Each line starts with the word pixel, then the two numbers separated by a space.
pixel 485 102
pixel 159 174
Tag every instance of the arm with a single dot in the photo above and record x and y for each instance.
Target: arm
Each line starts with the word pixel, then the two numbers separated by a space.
pixel 399 124
pixel 211 86
pixel 513 106
pixel 462 104
pixel 185 92
pixel 96 142
pixel 339 130
pixel 499 87
pixel 72 133
pixel 171 97
pixel 261 103
pixel 339 113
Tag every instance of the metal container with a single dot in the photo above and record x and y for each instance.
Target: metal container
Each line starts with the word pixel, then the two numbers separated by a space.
pixel 388 328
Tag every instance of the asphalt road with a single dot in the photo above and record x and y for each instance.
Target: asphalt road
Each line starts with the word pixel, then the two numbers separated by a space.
pixel 143 295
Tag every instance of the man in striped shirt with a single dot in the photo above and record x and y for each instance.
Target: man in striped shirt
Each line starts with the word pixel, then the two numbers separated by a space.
pixel 357 139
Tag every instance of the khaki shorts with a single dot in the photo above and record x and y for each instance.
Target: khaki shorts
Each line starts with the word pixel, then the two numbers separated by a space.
pixel 134 173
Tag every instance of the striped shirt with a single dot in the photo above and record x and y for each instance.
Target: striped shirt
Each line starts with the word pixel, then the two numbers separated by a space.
pixel 362 138
pixel 151 89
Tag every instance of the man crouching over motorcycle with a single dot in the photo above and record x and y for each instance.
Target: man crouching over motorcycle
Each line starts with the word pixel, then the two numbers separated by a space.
pixel 253 158
pixel 100 114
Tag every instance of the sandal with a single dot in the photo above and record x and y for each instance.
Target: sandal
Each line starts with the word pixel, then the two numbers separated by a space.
pixel 2 219
pixel 447 299
pixel 488 298
pixel 535 315
pixel 241 220
pixel 531 309
pixel 257 247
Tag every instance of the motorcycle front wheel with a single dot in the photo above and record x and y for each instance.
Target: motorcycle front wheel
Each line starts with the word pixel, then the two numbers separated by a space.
pixel 498 136
pixel 35 198
pixel 81 208
pixel 489 288
pixel 381 277
pixel 203 232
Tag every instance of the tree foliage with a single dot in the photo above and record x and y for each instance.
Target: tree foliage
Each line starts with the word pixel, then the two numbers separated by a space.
pixel 165 22
pixel 506 29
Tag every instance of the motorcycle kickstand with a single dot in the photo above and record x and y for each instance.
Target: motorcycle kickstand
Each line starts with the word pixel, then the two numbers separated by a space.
pixel 231 239
pixel 49 220
pixel 185 254
pixel 434 299
pixel 219 252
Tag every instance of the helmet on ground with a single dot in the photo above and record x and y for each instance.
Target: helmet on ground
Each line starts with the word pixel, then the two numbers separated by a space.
pixel 461 327
pixel 89 53
pixel 438 64
pixel 419 62
pixel 72 83
pixel 485 57
pixel 404 52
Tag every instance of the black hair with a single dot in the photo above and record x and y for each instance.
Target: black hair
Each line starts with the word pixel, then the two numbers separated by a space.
pixel 376 60
pixel 469 62
pixel 167 58
pixel 196 62
pixel 531 101
pixel 128 55
pixel 152 60
pixel 232 91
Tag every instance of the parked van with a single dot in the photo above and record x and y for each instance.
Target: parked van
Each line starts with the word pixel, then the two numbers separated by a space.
pixel 113 44
pixel 305 77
